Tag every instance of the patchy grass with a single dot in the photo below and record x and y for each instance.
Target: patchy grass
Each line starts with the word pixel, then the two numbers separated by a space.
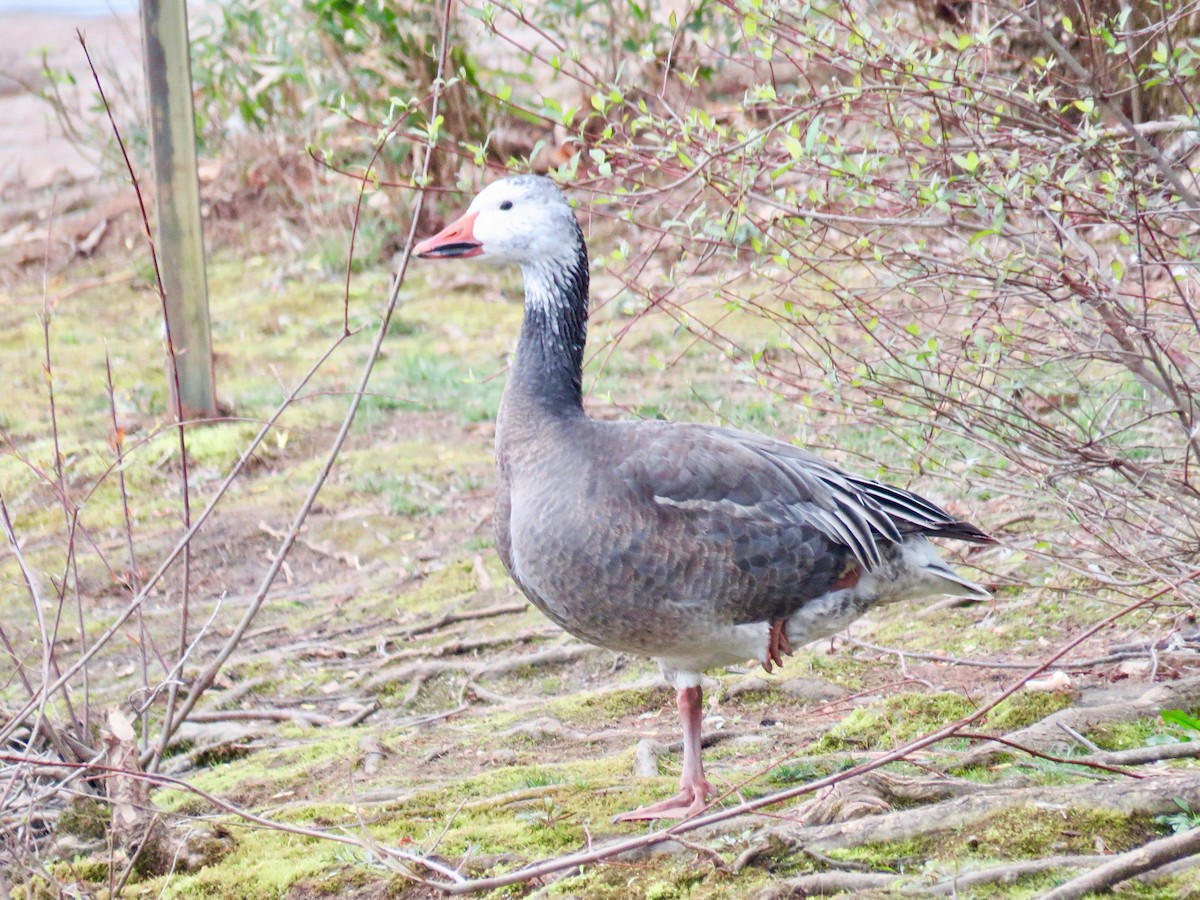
pixel 607 706
pixel 895 721
pixel 1025 708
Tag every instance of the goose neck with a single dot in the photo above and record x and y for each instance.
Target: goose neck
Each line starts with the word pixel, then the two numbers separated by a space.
pixel 548 369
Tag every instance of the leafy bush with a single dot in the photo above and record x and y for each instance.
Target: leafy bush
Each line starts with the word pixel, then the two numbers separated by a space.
pixel 310 68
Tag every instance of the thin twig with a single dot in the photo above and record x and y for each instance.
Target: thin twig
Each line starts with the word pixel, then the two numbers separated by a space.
pixel 1065 760
pixel 988 664
pixel 453 618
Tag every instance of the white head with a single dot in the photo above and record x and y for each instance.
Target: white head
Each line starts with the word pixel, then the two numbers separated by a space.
pixel 523 219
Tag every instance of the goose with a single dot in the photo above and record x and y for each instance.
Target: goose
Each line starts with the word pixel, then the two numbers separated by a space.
pixel 695 545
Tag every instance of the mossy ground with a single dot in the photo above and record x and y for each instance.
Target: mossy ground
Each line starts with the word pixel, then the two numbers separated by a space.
pixel 475 757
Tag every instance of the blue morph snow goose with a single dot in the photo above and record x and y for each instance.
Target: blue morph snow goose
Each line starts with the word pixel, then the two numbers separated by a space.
pixel 695 545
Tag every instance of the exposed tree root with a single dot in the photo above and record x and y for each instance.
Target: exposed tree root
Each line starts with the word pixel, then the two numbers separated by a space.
pixel 827 884
pixel 563 653
pixel 1048 734
pixel 1127 865
pixel 460 646
pixel 1117 655
pixel 417 672
pixel 877 793
pixel 1009 873
pixel 1148 796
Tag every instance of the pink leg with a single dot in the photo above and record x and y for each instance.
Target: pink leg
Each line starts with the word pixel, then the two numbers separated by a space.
pixel 693 788
pixel 778 645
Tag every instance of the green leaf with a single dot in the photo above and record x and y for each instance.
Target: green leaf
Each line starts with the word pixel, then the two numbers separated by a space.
pixel 959 42
pixel 1180 718
pixel 782 170
pixel 812 134
pixel 968 163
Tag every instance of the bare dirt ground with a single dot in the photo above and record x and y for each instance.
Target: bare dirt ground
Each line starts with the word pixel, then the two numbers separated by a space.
pixel 34 152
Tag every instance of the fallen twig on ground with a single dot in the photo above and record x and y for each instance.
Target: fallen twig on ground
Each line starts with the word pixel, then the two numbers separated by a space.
pixel 1117 655
pixel 1009 873
pixel 461 647
pixel 415 674
pixel 823 883
pixel 1049 757
pixel 453 618
pixel 826 884
pixel 1138 756
pixel 299 717
pixel 1127 865
pixel 1047 733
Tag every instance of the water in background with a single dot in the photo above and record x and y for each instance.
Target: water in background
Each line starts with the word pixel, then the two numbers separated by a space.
pixel 91 8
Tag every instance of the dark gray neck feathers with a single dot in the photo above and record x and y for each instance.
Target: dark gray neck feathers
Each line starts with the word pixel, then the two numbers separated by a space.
pixel 549 365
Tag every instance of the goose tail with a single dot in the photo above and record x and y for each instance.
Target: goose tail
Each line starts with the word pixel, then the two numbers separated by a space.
pixel 930 574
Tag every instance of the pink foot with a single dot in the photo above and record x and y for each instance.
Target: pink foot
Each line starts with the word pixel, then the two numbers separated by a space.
pixel 684 805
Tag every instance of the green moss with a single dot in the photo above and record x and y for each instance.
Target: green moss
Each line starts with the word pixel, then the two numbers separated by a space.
pixel 899 718
pixel 440 589
pixel 347 881
pixel 85 818
pixel 1127 735
pixel 1027 833
pixel 1031 832
pixel 538 812
pixel 841 669
pixel 669 877
pixel 804 771
pixel 265 864
pixel 1024 709
pixel 272 773
pixel 607 707
pixel 93 869
pixel 221 444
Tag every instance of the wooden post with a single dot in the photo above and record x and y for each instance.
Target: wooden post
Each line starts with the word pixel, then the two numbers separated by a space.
pixel 180 238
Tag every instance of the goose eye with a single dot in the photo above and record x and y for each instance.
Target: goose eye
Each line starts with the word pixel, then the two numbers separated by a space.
pixel 507 204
